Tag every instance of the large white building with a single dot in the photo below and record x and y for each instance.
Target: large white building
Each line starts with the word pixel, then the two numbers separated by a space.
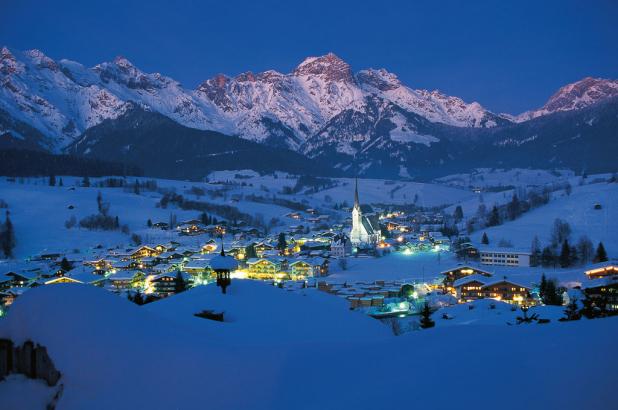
pixel 505 257
pixel 365 230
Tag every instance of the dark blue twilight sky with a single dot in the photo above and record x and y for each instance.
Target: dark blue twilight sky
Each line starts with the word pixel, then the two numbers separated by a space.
pixel 508 55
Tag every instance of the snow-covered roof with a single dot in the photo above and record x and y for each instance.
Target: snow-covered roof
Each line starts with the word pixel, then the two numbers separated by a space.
pixel 223 262
pixel 471 278
pixel 497 281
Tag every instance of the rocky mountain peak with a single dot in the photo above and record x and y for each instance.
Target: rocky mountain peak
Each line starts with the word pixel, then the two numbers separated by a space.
pixel 380 79
pixel 8 63
pixel 41 60
pixel 575 96
pixel 329 66
pixel 246 76
pixel 5 53
pixel 581 94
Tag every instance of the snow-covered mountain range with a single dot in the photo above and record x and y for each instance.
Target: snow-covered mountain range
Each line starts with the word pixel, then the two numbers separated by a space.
pixel 321 108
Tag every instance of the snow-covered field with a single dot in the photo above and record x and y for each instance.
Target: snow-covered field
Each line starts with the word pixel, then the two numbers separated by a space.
pixel 114 354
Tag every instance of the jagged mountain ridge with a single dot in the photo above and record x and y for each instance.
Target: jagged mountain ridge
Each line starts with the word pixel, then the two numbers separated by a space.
pixel 63 99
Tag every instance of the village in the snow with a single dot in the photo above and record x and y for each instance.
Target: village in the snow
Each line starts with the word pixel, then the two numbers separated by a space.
pixel 402 252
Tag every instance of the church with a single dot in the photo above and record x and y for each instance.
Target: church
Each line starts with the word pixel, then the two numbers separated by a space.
pixel 365 231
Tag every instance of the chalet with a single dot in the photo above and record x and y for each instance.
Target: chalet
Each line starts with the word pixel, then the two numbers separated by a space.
pixel 602 270
pixel 148 262
pixel 209 247
pixel 124 265
pixel 185 251
pixel 467 250
pixel 470 287
pixel 197 267
pixel 165 284
pixel 319 266
pixel 301 268
pixel 191 228
pixel 17 280
pixel 341 246
pixel 161 225
pixel 169 256
pixel 262 268
pixel 261 247
pixel 5 281
pixel 48 257
pixel 62 279
pixel 8 296
pixel 604 291
pixel 392 226
pixel 143 252
pixel 315 246
pixel 506 291
pixel 165 267
pixel 100 264
pixel 458 272
pixel 124 280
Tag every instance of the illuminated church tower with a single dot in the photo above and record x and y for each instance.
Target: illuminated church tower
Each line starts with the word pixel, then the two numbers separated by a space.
pixel 365 231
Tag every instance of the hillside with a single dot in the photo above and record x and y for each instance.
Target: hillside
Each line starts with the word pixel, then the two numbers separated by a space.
pixel 166 149
pixel 577 209
pixel 117 346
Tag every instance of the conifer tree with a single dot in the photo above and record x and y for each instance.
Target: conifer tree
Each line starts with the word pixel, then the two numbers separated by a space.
pixel 543 286
pixel 52 180
pixel 281 242
pixel 535 251
pixel 426 321
pixel 513 208
pixel 65 265
pixel 485 239
pixel 179 283
pixel 149 223
pixel 250 252
pixel 552 295
pixel 601 255
pixel 494 217
pixel 7 237
pixel 60 183
pixel 458 214
pixel 565 254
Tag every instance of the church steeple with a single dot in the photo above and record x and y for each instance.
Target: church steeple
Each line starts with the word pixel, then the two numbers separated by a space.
pixel 356 202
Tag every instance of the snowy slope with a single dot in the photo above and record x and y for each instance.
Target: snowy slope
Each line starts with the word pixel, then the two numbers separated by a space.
pixel 114 354
pixel 576 209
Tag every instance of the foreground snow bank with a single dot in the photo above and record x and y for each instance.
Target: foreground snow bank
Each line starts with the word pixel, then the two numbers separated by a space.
pixel 258 313
pixel 114 354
